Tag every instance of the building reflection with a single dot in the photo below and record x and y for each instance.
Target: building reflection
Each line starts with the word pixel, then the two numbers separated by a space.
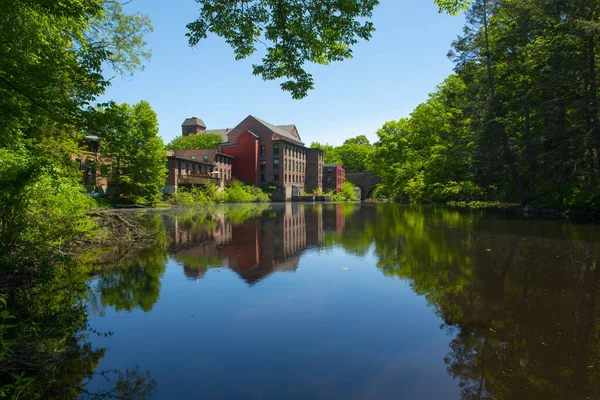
pixel 255 247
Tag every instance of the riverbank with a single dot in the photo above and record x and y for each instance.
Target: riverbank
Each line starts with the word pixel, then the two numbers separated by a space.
pixel 527 211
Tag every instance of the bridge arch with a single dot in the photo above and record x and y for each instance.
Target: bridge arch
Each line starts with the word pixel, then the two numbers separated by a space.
pixel 365 180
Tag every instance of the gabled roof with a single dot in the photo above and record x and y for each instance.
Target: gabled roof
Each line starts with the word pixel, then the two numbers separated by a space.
pixel 279 130
pixel 222 132
pixel 288 128
pixel 194 121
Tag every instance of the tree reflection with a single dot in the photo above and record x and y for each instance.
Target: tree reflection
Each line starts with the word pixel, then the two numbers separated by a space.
pixel 520 299
pixel 45 351
pixel 135 283
pixel 524 303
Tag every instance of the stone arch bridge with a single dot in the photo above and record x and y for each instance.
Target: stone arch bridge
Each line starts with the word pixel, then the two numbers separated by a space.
pixel 366 181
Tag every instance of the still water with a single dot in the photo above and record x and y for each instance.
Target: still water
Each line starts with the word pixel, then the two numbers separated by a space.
pixel 354 301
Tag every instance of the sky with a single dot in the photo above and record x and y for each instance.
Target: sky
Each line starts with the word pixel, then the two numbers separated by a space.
pixel 386 79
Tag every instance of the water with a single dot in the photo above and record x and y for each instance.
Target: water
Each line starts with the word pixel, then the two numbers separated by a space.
pixel 356 301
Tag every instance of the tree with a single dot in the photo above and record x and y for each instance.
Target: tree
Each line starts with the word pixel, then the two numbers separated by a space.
pixel 360 139
pixel 135 159
pixel 330 156
pixel 199 141
pixel 54 55
pixel 353 154
pixel 294 33
pixel 316 31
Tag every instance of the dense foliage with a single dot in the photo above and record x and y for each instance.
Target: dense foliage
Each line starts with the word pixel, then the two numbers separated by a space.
pixel 353 154
pixel 237 192
pixel 348 193
pixel 316 31
pixel 57 58
pixel 199 141
pixel 133 155
pixel 519 120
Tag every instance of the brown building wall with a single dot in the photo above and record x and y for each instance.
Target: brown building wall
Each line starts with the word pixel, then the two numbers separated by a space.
pixel 220 162
pixel 289 170
pixel 333 177
pixel 314 169
pixel 191 130
pixel 245 162
pixel 179 166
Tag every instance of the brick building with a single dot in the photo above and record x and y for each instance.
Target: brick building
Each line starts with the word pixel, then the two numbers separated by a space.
pixel 221 163
pixel 314 169
pixel 184 171
pixel 333 177
pixel 267 154
pixel 261 153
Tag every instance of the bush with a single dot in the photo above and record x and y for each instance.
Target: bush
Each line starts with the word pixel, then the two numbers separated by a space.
pixel 454 191
pixel 41 209
pixel 192 197
pixel 346 194
pixel 240 193
pixel 209 194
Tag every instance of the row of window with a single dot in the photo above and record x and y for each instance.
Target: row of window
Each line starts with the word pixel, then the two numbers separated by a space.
pixel 291 165
pixel 288 178
pixel 203 169
pixel 204 157
pixel 289 150
pixel 295 151
pixel 218 158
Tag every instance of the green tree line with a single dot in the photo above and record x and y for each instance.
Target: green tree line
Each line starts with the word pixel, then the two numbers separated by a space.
pixel 353 154
pixel 518 121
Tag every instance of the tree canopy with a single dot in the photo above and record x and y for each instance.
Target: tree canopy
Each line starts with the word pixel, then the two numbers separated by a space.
pixel 293 32
pixel 519 121
pixel 353 154
pixel 199 141
pixel 134 159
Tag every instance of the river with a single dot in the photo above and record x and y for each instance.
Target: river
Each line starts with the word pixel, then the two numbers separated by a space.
pixel 353 301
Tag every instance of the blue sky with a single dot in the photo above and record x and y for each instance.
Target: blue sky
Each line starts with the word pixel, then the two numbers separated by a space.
pixel 388 76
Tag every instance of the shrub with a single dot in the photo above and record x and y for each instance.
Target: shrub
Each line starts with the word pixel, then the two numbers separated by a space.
pixel 346 194
pixel 191 197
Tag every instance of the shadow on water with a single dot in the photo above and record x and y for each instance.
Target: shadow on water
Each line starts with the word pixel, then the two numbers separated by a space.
pixel 518 299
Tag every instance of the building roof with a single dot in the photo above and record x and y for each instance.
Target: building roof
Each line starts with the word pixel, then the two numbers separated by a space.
pixel 332 165
pixel 93 138
pixel 197 161
pixel 288 128
pixel 194 121
pixel 222 132
pixel 280 131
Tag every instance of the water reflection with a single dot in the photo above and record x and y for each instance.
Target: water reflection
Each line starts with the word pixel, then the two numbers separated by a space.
pixel 253 248
pixel 518 299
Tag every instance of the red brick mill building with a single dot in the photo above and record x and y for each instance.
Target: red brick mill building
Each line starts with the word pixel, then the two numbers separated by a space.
pixel 261 153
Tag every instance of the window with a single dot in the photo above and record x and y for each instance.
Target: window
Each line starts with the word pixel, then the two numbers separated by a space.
pixel 276 178
pixel 205 157
pixel 179 166
pixel 275 149
pixel 193 156
pixel 263 165
pixel 263 150
pixel 189 129
pixel 262 178
pixel 276 164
